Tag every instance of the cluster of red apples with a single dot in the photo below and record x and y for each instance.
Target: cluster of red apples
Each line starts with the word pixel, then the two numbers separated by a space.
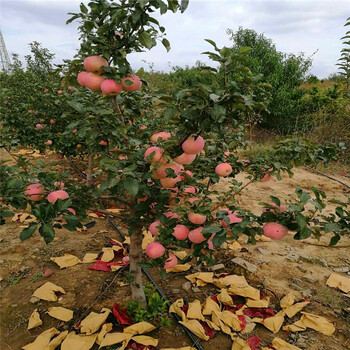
pixel 93 80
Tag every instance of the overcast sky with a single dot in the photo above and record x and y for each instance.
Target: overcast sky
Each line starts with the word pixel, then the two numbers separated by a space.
pixel 294 25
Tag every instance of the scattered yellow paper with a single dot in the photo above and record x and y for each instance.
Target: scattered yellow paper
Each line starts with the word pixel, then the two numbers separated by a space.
pixel 89 258
pixel 201 278
pixel 287 300
pixel 47 292
pixel 139 328
pixel 67 260
pixel 196 328
pixel 60 313
pixel 108 254
pixel 181 254
pixel 212 325
pixel 42 340
pixel 240 344
pixel 248 292
pixel 290 311
pixel 183 348
pixel 216 319
pixel 280 344
pixel 78 341
pixel 225 298
pixel 258 303
pixel 274 323
pixel 116 267
pixel 318 323
pixel 340 282
pixel 55 342
pixel 194 310
pixel 94 321
pixel 179 268
pixel 210 306
pixel 145 340
pixel 106 328
pixel 176 308
pixel 34 320
pixel 229 280
pixel 234 245
pixel 115 338
pixel 114 210
pixel 295 327
pixel 230 319
pixel 147 238
pixel 263 238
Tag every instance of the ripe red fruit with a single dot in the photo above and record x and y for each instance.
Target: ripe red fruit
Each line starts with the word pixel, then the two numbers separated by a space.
pixel 53 196
pixel 223 169
pixel 35 192
pixel 190 189
pixel 171 261
pixel 170 182
pixel 93 81
pixel 59 184
pixel 197 219
pixel 39 126
pixel 196 236
pixel 94 63
pixel 103 143
pixel 131 83
pixel 282 208
pixel 52 121
pixel 47 273
pixel 156 156
pixel 160 173
pixel 153 227
pixel 48 143
pixel 81 78
pixel 266 178
pixel 193 146
pixel 185 158
pixel 170 214
pixel 275 230
pixel 181 232
pixel 162 135
pixel 155 250
pixel 110 87
pixel 234 219
pixel 60 92
pixel 75 131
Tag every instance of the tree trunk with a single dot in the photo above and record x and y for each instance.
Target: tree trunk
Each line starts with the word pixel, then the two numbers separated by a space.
pixel 137 291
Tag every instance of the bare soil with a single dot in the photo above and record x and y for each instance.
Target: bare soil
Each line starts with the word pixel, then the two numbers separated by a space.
pixel 284 267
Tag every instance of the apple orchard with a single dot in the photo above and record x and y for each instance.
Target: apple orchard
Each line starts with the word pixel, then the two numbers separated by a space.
pixel 157 157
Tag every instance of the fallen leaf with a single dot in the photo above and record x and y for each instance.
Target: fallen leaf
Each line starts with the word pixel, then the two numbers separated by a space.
pixel 90 258
pixel 291 311
pixel 56 341
pixel 339 282
pixel 34 320
pixel 280 344
pixel 48 292
pixel 42 340
pixel 194 310
pixel 78 341
pixel 67 260
pixel 94 321
pixel 60 313
pixel 139 328
pixel 196 328
pixel 179 268
pixel 287 300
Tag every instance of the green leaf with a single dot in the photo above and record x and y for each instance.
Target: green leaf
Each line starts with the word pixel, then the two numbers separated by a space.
pixel 334 240
pixel 166 44
pixel 146 40
pixel 173 5
pixel 208 231
pixel 163 274
pixel 331 227
pixel 28 232
pixel 145 265
pixel 212 43
pixel 275 200
pixel 301 220
pixel 218 240
pixel 132 186
pixel 184 5
pixel 47 232
pixel 143 3
pixel 83 8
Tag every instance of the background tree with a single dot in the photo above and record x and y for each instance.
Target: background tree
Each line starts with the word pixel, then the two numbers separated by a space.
pixel 344 60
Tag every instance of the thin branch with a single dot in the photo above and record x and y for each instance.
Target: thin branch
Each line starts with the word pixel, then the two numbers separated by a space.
pixel 106 212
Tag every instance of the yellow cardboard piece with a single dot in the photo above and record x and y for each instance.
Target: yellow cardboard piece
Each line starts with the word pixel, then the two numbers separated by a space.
pixel 94 321
pixel 181 254
pixel 290 311
pixel 176 308
pixel 42 340
pixel 115 338
pixel 340 282
pixel 145 340
pixel 248 292
pixel 67 260
pixel 183 348
pixel 274 323
pixel 114 210
pixel 60 313
pixel 116 267
pixel 201 278
pixel 89 258
pixel 280 344
pixel 78 341
pixel 240 344
pixel 258 303
pixel 47 292
pixel 106 328
pixel 216 319
pixel 194 310
pixel 139 328
pixel 210 306
pixel 229 280
pixel 295 327
pixel 287 300
pixel 179 268
pixel 55 342
pixel 212 325
pixel 196 328
pixel 225 298
pixel 108 254
pixel 34 320
pixel 231 320
pixel 234 245
pixel 318 323
pixel 263 238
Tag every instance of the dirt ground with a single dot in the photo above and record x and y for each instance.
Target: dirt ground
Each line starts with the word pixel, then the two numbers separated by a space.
pixel 300 267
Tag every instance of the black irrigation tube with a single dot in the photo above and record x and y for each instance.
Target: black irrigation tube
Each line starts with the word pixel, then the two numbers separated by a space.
pixel 195 340
pixel 329 177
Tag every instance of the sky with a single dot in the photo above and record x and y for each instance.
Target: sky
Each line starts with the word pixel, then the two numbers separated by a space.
pixel 313 27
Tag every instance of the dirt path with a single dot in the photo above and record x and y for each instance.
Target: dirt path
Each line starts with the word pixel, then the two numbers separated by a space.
pixel 301 267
